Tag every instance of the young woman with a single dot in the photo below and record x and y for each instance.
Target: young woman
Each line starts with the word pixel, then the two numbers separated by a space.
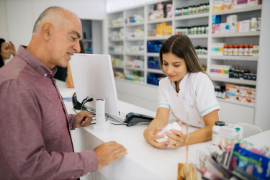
pixel 5 51
pixel 187 91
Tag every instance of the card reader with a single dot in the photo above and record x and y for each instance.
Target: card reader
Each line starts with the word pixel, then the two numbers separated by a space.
pixel 134 118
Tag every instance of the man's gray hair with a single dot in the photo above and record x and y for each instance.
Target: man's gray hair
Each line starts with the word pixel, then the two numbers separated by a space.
pixel 53 15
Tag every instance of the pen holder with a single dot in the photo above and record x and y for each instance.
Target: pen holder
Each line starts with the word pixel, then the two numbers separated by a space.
pixel 101 124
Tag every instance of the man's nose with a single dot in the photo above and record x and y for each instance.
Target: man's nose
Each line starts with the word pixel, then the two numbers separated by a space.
pixel 77 47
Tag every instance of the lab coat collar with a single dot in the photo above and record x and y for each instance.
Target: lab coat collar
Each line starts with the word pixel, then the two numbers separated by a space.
pixel 182 83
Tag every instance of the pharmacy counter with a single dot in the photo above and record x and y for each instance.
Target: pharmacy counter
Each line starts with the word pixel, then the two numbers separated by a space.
pixel 143 161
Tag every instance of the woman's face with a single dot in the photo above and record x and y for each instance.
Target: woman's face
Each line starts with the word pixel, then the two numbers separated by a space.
pixel 5 51
pixel 174 67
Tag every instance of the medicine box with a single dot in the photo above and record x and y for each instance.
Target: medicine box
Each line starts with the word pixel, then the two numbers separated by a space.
pixel 239 3
pixel 254 2
pixel 231 131
pixel 216 19
pixel 218 5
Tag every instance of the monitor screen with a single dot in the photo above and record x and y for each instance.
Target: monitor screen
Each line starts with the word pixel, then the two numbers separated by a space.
pixel 93 77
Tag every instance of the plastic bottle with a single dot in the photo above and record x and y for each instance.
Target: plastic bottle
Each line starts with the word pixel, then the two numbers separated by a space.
pixel 246 50
pixel 235 50
pixel 230 50
pixel 259 24
pixel 250 50
pixel 225 50
pixel 241 50
pixel 253 24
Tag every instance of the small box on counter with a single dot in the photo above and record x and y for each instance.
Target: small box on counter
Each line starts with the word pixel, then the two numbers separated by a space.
pixel 231 131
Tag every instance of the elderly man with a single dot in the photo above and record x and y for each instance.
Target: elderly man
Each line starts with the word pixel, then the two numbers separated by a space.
pixel 35 140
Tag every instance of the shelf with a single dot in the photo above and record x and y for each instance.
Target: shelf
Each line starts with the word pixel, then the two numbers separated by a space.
pixel 153 54
pixel 239 34
pixel 238 58
pixel 232 102
pixel 124 80
pixel 116 53
pixel 135 39
pixel 135 69
pixel 135 24
pixel 116 40
pixel 191 16
pixel 159 20
pixel 135 54
pixel 112 27
pixel 231 80
pixel 158 71
pixel 87 40
pixel 116 66
pixel 238 10
pixel 193 36
pixel 200 56
pixel 158 38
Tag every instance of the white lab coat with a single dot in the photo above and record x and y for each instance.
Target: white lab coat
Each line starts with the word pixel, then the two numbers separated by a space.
pixel 195 98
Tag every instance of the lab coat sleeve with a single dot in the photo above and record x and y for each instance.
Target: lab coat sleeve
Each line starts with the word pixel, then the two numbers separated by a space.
pixel 162 100
pixel 205 95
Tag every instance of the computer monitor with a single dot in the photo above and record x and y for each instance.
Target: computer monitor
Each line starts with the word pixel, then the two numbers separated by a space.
pixel 93 77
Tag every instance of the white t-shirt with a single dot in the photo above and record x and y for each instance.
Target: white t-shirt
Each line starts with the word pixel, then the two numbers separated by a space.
pixel 195 98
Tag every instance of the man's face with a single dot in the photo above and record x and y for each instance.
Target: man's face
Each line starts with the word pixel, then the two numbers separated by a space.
pixel 64 41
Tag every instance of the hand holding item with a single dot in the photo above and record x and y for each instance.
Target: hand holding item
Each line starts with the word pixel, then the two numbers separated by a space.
pixel 175 136
pixel 151 135
pixel 12 48
pixel 83 119
pixel 107 153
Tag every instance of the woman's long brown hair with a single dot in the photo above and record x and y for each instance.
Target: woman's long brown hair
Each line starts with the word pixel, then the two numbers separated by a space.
pixel 182 47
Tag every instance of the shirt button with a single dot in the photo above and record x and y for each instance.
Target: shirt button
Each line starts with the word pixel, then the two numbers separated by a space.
pixel 191 106
pixel 199 122
pixel 177 95
pixel 72 177
pixel 45 74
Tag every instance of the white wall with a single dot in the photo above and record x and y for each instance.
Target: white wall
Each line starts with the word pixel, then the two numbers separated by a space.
pixel 3 20
pixel 21 15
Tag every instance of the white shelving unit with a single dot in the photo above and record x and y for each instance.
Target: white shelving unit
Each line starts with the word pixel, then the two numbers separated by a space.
pixel 205 40
pixel 238 58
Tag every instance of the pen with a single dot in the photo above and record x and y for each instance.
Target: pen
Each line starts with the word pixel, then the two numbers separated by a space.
pixel 187 147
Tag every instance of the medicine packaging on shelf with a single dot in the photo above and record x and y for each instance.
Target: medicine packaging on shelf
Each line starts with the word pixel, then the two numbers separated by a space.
pixel 153 78
pixel 136 49
pixel 116 35
pixel 116 22
pixel 134 76
pixel 117 61
pixel 116 48
pixel 134 19
pixel 134 63
pixel 158 13
pixel 138 33
pixel 193 9
pixel 219 71
pixel 153 64
pixel 119 75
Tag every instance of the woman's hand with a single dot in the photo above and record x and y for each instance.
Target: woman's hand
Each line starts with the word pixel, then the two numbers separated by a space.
pixel 12 48
pixel 150 136
pixel 177 139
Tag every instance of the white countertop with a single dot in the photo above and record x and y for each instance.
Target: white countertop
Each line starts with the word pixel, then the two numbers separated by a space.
pixel 143 161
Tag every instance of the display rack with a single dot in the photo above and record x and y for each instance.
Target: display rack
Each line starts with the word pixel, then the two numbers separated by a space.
pixel 205 40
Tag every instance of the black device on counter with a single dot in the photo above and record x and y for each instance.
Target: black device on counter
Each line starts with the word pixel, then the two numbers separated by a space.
pixel 134 118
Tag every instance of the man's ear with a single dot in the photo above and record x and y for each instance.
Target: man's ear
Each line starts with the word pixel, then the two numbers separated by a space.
pixel 46 30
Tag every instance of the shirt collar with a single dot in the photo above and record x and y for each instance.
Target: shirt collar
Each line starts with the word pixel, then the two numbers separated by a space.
pixel 182 83
pixel 35 63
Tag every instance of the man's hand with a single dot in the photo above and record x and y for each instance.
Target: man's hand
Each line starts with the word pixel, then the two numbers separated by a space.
pixel 12 48
pixel 83 119
pixel 108 152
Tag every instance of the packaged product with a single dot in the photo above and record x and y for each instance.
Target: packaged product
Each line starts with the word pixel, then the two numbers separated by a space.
pixel 217 29
pixel 239 3
pixel 254 2
pixel 227 4
pixel 231 131
pixel 255 50
pixel 218 5
pixel 237 26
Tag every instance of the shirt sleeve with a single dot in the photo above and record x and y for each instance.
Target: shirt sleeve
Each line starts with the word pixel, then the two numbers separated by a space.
pixel 205 95
pixel 22 144
pixel 71 120
pixel 162 100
